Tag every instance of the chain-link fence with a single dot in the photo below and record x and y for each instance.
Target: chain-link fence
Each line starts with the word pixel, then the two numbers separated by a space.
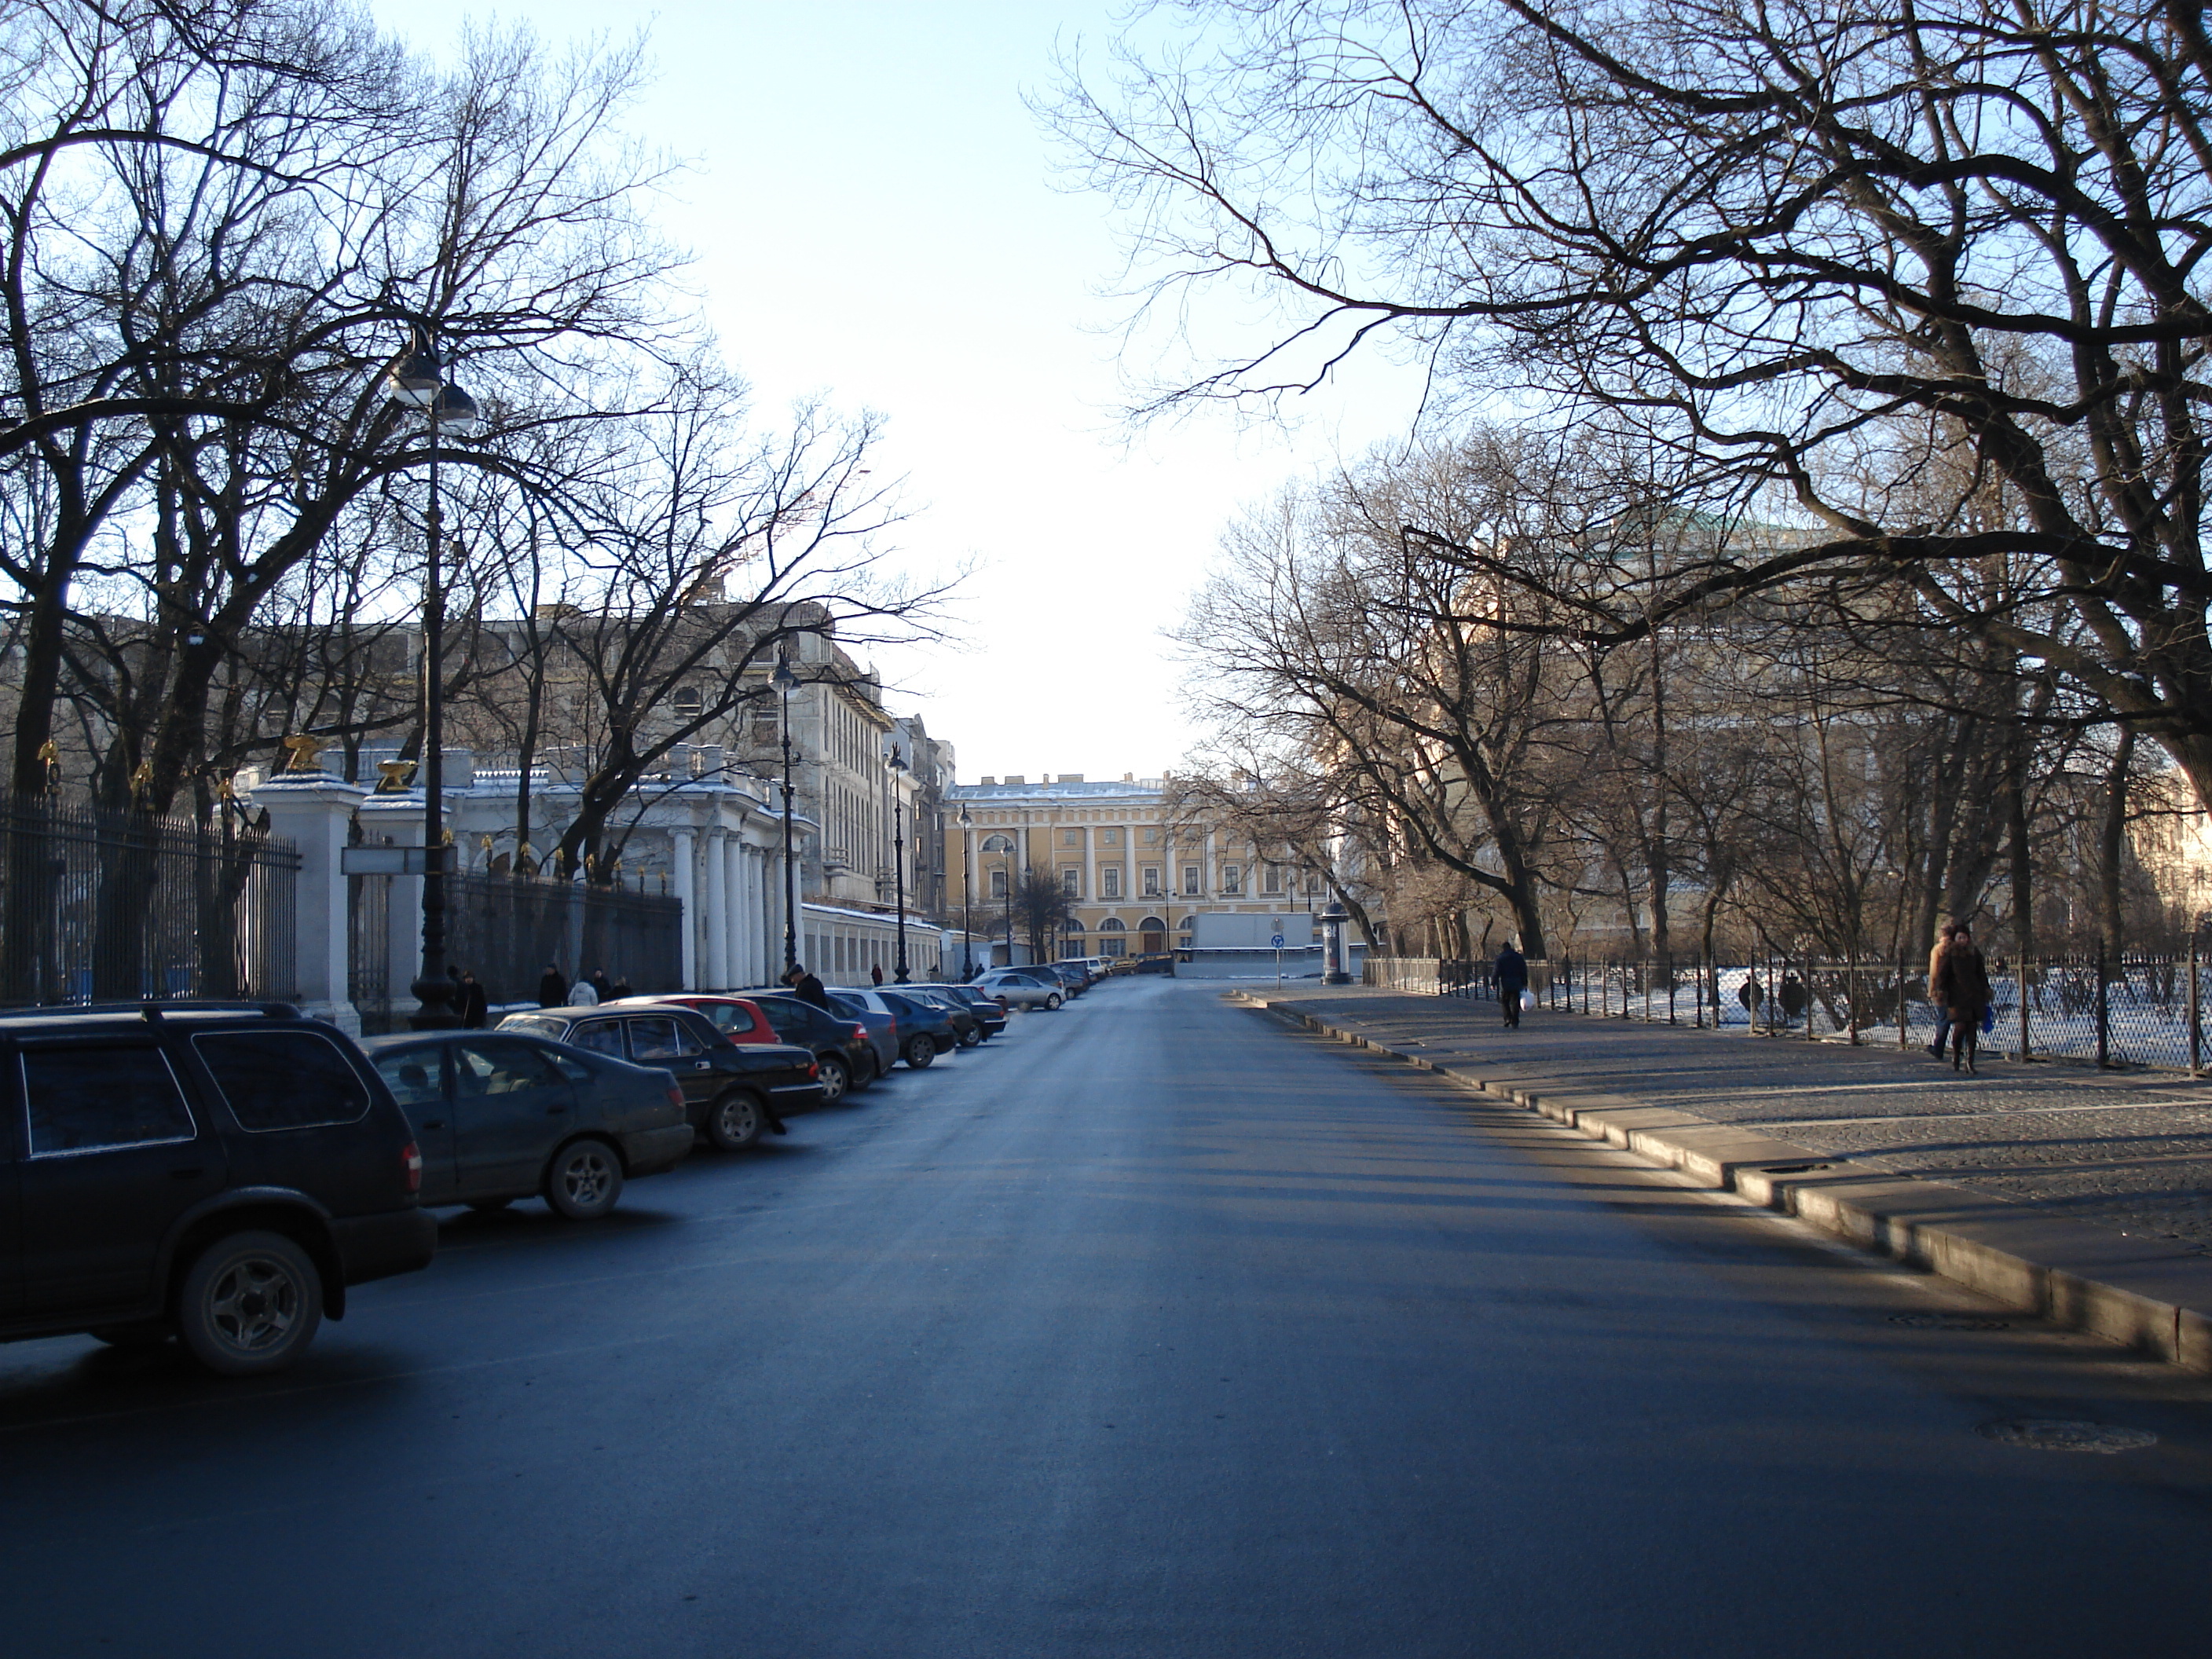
pixel 2134 1010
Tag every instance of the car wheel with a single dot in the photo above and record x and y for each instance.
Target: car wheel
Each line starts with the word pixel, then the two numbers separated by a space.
pixel 249 1304
pixel 920 1050
pixel 488 1206
pixel 972 1036
pixel 583 1181
pixel 836 1079
pixel 1053 1001
pixel 735 1122
pixel 149 1334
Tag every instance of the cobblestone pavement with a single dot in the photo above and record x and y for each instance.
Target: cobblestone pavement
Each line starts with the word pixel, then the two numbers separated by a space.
pixel 2128 1151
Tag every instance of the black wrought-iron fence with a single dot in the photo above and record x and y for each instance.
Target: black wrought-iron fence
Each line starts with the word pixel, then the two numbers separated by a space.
pixel 505 930
pixel 101 905
pixel 2139 1009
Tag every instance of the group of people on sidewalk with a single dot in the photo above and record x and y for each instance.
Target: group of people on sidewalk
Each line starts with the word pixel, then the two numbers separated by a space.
pixel 554 990
pixel 1959 986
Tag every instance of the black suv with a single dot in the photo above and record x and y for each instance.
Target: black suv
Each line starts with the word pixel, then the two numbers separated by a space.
pixel 219 1172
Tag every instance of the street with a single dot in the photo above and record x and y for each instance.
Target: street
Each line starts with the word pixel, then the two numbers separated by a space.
pixel 1152 1327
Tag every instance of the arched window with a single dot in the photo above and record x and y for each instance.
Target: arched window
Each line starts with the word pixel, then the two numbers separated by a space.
pixel 688 702
pixel 1113 937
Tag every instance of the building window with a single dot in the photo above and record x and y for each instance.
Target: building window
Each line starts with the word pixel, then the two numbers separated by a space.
pixel 1109 882
pixel 1151 881
pixel 1190 874
pixel 1232 879
pixel 1113 937
pixel 1109 837
pixel 1071 838
pixel 1271 880
pixel 688 703
pixel 1071 882
pixel 998 883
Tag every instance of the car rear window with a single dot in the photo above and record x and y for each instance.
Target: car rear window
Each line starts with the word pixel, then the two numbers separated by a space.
pixel 283 1079
pixel 536 1024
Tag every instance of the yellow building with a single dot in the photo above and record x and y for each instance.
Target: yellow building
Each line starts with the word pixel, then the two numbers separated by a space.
pixel 1135 870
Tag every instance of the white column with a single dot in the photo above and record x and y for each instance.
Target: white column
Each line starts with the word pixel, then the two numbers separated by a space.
pixel 716 905
pixel 732 861
pixel 312 809
pixel 682 859
pixel 398 819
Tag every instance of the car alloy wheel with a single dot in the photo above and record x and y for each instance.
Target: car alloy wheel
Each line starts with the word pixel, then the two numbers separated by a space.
pixel 919 1051
pixel 1053 1001
pixel 249 1304
pixel 584 1181
pixel 734 1122
pixel 836 1079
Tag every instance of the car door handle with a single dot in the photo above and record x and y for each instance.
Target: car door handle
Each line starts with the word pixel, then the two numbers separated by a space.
pixel 702 1065
pixel 193 1174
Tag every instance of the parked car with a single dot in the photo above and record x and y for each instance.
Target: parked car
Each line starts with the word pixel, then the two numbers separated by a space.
pixel 839 1047
pixel 1071 973
pixel 729 1089
pixel 967 1022
pixel 505 1116
pixel 220 1172
pixel 991 1018
pixel 880 1024
pixel 1023 987
pixel 920 1031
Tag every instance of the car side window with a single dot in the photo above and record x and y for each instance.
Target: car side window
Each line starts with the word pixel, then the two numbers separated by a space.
pixel 100 1098
pixel 659 1037
pixel 283 1079
pixel 501 1068
pixel 784 1017
pixel 601 1037
pixel 728 1017
pixel 413 1077
pixel 571 1068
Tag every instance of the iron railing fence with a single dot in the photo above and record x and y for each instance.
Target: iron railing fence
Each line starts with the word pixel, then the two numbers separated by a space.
pixel 100 906
pixel 505 930
pixel 2138 1009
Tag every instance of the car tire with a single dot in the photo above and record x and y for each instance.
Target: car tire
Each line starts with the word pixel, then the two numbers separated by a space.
pixel 972 1037
pixel 735 1120
pixel 584 1181
pixel 921 1049
pixel 837 1079
pixel 1053 1001
pixel 147 1334
pixel 249 1304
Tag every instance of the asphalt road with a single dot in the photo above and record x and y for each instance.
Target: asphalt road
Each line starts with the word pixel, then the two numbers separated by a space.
pixel 1153 1329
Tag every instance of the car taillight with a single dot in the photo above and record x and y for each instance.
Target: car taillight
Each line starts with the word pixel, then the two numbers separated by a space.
pixel 411 1162
pixel 813 1070
pixel 675 1096
pixel 860 1033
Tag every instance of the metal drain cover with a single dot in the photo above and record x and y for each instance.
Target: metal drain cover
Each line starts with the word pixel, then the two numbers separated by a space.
pixel 2043 1434
pixel 1936 1322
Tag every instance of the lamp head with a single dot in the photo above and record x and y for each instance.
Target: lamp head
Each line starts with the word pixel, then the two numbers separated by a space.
pixel 897 761
pixel 413 379
pixel 455 413
pixel 783 679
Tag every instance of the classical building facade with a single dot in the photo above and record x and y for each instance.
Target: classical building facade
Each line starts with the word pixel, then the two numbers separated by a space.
pixel 1137 871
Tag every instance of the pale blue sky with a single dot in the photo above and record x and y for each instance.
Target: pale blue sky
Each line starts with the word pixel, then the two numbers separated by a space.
pixel 874 212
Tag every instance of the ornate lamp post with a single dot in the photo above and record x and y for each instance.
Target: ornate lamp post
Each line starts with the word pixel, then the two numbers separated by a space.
pixel 898 769
pixel 416 381
pixel 967 940
pixel 785 683
pixel 1004 846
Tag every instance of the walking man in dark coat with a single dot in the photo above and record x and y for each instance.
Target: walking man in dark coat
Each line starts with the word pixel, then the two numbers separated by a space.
pixel 475 1007
pixel 1512 973
pixel 553 987
pixel 809 989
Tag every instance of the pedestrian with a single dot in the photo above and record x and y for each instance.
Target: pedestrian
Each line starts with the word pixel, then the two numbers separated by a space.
pixel 1511 973
pixel 583 995
pixel 621 988
pixel 473 1005
pixel 552 986
pixel 1962 990
pixel 1944 935
pixel 809 988
pixel 875 972
pixel 602 987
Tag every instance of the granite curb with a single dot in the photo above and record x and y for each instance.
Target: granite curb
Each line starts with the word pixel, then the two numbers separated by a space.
pixel 2131 1291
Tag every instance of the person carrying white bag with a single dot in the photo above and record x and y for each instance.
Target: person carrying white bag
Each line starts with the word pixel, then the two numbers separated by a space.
pixel 1512 975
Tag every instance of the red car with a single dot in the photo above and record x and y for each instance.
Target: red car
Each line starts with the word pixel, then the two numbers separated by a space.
pixel 840 1046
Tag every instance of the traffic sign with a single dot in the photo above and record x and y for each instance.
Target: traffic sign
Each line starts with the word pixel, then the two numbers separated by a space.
pixel 1277 941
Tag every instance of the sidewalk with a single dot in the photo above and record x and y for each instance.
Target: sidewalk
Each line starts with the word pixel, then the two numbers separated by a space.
pixel 2083 1195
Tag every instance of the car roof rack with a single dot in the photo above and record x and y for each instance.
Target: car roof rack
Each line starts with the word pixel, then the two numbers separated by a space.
pixel 153 1012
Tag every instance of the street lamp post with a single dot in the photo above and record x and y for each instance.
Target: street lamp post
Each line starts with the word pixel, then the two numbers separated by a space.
pixel 1004 846
pixel 898 770
pixel 785 682
pixel 416 380
pixel 967 922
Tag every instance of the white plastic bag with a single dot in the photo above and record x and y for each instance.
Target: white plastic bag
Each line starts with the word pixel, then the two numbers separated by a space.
pixel 1527 1002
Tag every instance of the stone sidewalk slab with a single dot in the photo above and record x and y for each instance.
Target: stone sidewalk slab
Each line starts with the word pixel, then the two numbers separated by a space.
pixel 2082 1197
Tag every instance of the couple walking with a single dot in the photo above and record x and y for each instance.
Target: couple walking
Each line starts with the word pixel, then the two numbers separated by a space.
pixel 1959 986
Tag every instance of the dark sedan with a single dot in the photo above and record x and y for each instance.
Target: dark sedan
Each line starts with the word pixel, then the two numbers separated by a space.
pixel 990 1015
pixel 731 1091
pixel 505 1116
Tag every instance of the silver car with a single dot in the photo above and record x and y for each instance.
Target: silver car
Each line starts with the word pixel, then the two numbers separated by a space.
pixel 1023 987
